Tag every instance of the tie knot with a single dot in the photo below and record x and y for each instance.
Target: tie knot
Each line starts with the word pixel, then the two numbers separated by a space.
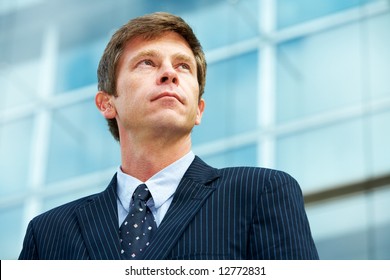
pixel 142 193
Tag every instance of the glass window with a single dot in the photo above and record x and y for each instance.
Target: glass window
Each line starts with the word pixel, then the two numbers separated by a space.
pixel 231 99
pixel 10 239
pixel 242 156
pixel 318 73
pixel 340 228
pixel 378 40
pixel 80 142
pixel 298 11
pixel 73 194
pixel 19 83
pixel 9 5
pixel 15 146
pixel 381 223
pixel 225 22
pixel 77 67
pixel 366 236
pixel 324 157
pixel 380 143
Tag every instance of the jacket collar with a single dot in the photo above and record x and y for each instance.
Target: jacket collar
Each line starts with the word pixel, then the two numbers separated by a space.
pixel 192 192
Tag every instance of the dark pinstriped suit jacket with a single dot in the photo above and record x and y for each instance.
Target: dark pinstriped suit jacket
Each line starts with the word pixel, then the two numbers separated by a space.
pixel 231 213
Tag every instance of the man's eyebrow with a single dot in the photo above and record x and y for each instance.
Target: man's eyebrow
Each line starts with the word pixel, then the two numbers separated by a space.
pixel 144 53
pixel 185 58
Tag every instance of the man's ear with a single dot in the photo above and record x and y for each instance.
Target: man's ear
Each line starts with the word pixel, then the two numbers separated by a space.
pixel 200 111
pixel 103 103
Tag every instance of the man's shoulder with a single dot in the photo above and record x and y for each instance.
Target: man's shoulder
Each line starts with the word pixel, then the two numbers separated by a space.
pixel 253 171
pixel 244 174
pixel 260 178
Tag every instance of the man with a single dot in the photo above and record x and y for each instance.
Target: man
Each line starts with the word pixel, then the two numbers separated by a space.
pixel 164 202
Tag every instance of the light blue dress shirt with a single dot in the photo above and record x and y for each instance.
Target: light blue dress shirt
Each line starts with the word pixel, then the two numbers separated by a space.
pixel 162 186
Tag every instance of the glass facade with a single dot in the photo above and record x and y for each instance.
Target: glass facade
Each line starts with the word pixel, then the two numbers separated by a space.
pixel 296 85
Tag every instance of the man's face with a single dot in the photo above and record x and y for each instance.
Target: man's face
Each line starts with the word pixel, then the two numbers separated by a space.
pixel 157 86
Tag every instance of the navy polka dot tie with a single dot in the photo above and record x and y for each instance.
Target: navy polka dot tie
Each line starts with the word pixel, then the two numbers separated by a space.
pixel 138 227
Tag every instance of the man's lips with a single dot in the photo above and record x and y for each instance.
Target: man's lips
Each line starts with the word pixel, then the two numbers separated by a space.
pixel 167 94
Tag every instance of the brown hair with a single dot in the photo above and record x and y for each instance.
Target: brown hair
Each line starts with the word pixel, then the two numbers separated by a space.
pixel 148 27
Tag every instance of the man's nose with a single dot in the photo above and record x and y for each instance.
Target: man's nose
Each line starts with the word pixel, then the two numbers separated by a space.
pixel 168 75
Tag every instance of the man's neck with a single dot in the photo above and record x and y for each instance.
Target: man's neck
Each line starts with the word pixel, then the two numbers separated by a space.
pixel 143 159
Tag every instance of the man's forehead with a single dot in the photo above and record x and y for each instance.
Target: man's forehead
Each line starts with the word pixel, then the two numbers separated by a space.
pixel 150 37
pixel 151 45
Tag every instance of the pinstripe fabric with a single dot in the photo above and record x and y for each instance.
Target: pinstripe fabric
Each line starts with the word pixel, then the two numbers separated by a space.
pixel 84 229
pixel 235 213
pixel 231 213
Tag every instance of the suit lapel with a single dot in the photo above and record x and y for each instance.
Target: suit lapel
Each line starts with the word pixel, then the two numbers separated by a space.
pixel 190 195
pixel 98 220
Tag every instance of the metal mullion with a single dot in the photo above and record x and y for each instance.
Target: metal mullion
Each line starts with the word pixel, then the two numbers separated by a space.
pixel 266 84
pixel 42 123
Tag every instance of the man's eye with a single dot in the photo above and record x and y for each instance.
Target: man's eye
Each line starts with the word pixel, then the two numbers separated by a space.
pixel 184 66
pixel 146 62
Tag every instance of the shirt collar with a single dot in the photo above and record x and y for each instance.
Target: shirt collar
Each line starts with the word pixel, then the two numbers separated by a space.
pixel 162 185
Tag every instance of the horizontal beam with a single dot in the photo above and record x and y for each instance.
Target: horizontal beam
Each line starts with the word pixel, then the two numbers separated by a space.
pixel 366 185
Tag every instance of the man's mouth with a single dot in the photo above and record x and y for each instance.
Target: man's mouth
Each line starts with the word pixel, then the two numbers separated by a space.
pixel 168 94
